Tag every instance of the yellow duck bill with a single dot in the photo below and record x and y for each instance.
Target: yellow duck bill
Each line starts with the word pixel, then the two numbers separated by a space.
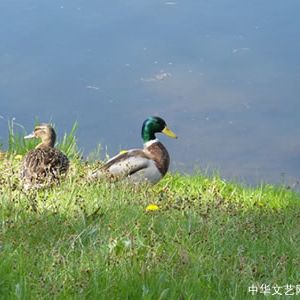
pixel 169 133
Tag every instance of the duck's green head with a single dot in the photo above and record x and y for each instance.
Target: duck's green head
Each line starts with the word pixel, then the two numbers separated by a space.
pixel 154 125
pixel 46 133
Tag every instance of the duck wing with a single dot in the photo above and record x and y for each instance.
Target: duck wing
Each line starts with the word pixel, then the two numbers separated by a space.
pixel 126 164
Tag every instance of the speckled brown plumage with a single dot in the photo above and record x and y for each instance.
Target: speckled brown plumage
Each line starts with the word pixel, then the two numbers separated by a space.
pixel 45 164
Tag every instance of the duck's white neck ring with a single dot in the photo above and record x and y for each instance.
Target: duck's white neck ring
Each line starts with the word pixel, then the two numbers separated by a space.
pixel 149 143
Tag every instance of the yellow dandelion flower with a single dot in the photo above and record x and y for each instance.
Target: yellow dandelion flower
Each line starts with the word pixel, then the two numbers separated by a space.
pixel 18 157
pixel 152 207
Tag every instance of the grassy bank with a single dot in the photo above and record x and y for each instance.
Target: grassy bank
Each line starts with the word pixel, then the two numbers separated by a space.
pixel 209 239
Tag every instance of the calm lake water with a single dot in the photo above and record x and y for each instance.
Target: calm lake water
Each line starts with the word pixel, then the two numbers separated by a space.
pixel 225 75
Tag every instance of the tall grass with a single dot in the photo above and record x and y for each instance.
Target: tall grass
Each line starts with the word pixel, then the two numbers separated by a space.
pixel 17 145
pixel 16 142
pixel 68 144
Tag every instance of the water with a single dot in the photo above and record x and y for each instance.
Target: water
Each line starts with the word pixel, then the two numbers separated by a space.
pixel 225 75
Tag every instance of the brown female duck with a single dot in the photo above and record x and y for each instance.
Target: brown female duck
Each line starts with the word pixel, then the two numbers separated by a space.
pixel 44 164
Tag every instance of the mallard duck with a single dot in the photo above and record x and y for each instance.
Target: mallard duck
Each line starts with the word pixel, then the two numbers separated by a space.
pixel 141 165
pixel 44 164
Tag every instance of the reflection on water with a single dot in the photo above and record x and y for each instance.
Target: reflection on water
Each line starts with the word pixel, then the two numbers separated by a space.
pixel 224 74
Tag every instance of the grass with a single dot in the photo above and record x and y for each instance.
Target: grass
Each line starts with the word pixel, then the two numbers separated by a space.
pixel 210 239
pixel 17 145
